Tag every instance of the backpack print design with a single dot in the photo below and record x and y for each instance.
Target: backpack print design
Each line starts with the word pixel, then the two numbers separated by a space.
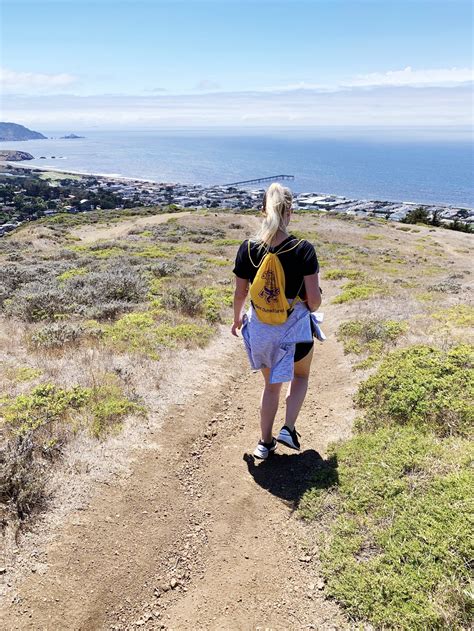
pixel 269 292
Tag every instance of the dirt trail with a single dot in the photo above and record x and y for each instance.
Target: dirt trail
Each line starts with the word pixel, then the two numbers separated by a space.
pixel 92 233
pixel 199 536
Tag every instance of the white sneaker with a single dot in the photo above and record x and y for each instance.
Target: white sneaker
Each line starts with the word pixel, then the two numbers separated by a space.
pixel 263 450
pixel 289 437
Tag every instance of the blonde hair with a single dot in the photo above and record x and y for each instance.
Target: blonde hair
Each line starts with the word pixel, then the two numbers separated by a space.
pixel 276 202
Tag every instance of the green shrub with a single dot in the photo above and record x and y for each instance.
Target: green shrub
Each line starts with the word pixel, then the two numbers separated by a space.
pixel 373 237
pixel 152 252
pixel 214 300
pixel 22 374
pixel 44 407
pixel 99 294
pixel 218 262
pixel 337 274
pixel 367 363
pixel 35 427
pixel 183 299
pixel 359 336
pixel 56 335
pixel 98 250
pixel 108 407
pixel 358 291
pixel 460 315
pixel 227 242
pixel 133 332
pixel 417 215
pixel 189 334
pixel 421 386
pixel 140 332
pixel 48 409
pixel 398 549
pixel 76 271
pixel 425 296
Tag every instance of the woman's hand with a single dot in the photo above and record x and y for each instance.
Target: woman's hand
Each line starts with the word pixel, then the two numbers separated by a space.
pixel 240 295
pixel 236 326
pixel 313 292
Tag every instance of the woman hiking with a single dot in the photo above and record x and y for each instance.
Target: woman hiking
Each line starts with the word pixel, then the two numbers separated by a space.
pixel 282 273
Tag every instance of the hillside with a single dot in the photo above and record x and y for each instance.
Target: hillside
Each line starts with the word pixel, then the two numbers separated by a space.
pixel 129 412
pixel 12 131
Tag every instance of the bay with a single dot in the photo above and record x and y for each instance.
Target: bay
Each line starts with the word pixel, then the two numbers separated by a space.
pixel 418 171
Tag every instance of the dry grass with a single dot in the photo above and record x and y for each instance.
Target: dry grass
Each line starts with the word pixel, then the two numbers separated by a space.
pixel 101 316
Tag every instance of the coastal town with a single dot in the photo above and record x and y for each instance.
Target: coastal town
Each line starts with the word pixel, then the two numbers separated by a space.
pixel 73 193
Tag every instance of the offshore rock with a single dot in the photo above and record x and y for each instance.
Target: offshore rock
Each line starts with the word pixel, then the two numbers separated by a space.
pixel 14 156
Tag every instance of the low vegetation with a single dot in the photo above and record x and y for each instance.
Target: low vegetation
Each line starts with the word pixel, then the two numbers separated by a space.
pixel 392 504
pixel 370 337
pixel 85 323
pixel 39 423
pixel 359 290
pixel 137 298
pixel 338 274
pixel 397 549
pixel 422 386
pixel 460 315
pixel 147 333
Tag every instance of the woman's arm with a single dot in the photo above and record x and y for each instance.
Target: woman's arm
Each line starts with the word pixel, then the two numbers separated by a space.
pixel 240 296
pixel 313 292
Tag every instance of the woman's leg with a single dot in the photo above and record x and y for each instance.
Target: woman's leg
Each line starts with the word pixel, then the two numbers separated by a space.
pixel 297 390
pixel 268 405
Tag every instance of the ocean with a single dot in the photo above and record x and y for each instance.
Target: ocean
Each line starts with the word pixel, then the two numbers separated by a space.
pixel 417 171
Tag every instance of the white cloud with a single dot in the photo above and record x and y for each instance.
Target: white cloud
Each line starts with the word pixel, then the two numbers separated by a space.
pixel 207 84
pixel 385 106
pixel 12 81
pixel 416 78
pixel 301 85
pixel 408 77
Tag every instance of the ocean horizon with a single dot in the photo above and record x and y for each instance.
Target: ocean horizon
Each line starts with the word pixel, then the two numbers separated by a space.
pixel 430 171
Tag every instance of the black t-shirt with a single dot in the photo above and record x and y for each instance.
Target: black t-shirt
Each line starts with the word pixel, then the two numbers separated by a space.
pixel 297 262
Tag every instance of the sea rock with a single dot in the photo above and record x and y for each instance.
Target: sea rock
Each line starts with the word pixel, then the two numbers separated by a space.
pixel 14 156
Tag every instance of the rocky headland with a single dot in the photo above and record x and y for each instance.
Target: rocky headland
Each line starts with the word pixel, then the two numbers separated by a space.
pixel 12 131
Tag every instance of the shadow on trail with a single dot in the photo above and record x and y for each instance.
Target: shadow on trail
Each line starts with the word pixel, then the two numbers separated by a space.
pixel 289 476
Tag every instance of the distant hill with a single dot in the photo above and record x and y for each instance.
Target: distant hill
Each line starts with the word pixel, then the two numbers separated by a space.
pixel 12 131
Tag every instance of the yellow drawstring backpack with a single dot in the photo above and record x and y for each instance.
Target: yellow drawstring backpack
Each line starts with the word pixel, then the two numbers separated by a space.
pixel 267 292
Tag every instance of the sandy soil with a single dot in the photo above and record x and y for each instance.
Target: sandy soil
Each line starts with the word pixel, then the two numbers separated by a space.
pixel 198 535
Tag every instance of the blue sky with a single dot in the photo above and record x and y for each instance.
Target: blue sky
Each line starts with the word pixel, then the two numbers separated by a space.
pixel 195 63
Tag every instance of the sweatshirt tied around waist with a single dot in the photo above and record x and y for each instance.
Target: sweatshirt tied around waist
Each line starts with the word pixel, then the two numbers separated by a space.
pixel 273 346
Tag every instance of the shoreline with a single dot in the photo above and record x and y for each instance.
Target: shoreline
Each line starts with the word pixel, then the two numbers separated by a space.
pixel 117 177
pixel 110 176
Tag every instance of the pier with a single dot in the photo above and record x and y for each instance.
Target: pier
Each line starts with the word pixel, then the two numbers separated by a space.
pixel 258 180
